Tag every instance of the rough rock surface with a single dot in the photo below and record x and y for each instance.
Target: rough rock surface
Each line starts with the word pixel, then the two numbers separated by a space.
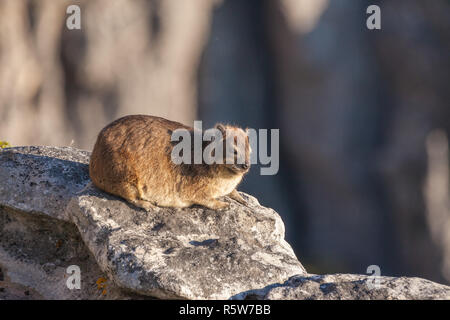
pixel 355 287
pixel 37 243
pixel 35 252
pixel 190 253
pixel 42 180
pixel 51 217
pixel 186 253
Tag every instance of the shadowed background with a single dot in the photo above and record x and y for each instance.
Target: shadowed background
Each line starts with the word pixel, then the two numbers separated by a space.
pixel 363 115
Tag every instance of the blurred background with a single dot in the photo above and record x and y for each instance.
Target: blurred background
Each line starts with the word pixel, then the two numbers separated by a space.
pixel 363 115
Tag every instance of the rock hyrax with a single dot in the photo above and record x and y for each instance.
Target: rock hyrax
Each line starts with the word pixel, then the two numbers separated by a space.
pixel 132 159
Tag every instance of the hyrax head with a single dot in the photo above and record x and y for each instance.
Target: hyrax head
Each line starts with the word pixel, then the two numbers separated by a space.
pixel 236 148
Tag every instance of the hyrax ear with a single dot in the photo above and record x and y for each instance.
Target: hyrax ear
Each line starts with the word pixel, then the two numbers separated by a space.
pixel 221 127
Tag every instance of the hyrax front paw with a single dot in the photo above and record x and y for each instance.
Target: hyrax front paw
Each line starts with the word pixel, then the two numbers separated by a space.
pixel 236 196
pixel 215 204
pixel 146 205
pixel 221 205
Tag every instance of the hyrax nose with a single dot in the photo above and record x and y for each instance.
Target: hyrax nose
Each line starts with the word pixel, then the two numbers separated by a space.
pixel 244 166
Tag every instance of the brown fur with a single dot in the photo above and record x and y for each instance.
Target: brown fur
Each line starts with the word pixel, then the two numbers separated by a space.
pixel 132 159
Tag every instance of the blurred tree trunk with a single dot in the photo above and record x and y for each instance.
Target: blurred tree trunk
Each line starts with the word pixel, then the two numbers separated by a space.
pixel 358 106
pixel 413 55
pixel 330 114
pixel 31 90
pixel 59 85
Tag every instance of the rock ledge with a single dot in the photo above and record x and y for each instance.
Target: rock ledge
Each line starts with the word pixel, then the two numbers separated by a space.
pixel 52 217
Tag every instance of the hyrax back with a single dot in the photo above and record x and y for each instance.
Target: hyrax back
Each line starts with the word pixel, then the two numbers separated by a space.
pixel 132 159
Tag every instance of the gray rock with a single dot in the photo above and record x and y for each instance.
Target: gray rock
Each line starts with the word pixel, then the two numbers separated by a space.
pixel 193 253
pixel 42 180
pixel 354 287
pixel 51 217
pixel 37 243
pixel 35 252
